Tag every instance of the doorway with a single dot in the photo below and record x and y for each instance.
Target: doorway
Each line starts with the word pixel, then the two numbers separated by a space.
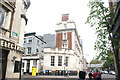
pixel 28 66
pixel 3 63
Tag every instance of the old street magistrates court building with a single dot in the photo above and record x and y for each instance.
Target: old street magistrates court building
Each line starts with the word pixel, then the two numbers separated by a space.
pixel 12 24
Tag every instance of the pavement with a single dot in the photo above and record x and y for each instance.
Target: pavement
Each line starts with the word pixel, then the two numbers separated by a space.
pixel 47 76
pixel 53 77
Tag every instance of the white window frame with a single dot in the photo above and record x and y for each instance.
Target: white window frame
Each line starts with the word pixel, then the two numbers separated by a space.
pixel 66 61
pixel 52 60
pixel 59 60
pixel 30 39
pixel 65 45
pixel 64 36
pixel 4 11
pixel 65 26
pixel 29 50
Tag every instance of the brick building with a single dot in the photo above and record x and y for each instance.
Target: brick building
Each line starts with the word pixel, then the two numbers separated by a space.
pixel 68 54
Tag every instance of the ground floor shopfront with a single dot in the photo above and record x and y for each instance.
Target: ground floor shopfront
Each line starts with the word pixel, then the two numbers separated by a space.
pixel 10 64
pixel 29 62
pixel 10 60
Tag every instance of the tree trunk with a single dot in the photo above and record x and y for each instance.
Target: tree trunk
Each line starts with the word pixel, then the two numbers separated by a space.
pixel 117 58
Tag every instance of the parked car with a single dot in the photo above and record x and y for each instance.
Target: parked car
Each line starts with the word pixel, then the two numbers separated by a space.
pixel 105 72
pixel 112 72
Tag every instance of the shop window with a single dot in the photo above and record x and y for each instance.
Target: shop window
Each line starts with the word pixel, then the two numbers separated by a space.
pixel 17 67
pixel 23 65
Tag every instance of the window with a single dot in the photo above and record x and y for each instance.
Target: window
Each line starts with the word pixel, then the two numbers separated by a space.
pixel 65 26
pixel 17 66
pixel 52 60
pixel 34 63
pixel 3 14
pixel 29 50
pixel 59 60
pixel 23 65
pixel 30 40
pixel 37 50
pixel 66 61
pixel 38 42
pixel 24 40
pixel 64 36
pixel 64 45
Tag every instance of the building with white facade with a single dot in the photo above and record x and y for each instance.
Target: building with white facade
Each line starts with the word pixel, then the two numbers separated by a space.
pixel 33 56
pixel 12 24
pixel 68 54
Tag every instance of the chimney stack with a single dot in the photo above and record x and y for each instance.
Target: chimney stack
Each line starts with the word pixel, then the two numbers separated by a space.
pixel 65 17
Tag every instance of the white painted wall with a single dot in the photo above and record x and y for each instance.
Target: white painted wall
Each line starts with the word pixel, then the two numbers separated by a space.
pixel 72 60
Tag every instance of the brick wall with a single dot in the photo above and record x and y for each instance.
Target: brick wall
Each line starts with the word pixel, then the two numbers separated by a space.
pixel 59 40
pixel 69 37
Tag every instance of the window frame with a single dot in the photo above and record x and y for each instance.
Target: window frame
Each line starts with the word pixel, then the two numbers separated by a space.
pixel 52 60
pixel 64 36
pixel 29 50
pixel 4 12
pixel 66 61
pixel 30 39
pixel 17 67
pixel 59 60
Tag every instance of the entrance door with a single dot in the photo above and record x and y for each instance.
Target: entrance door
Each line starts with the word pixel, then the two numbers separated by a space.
pixel 3 63
pixel 28 66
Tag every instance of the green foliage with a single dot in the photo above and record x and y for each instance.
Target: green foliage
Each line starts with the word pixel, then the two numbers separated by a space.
pixel 95 61
pixel 99 18
pixel 109 61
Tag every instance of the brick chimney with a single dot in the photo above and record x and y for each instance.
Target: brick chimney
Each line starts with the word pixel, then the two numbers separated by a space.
pixel 65 17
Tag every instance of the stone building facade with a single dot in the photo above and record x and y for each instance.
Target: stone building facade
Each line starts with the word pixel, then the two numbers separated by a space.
pixel 68 54
pixel 12 23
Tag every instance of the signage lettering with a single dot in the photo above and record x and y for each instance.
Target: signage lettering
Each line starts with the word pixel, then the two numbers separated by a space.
pixel 10 45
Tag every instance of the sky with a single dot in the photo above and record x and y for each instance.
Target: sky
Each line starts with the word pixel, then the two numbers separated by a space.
pixel 44 14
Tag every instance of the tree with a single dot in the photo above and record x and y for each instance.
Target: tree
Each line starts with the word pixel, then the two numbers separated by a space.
pixel 109 61
pixel 95 61
pixel 101 19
